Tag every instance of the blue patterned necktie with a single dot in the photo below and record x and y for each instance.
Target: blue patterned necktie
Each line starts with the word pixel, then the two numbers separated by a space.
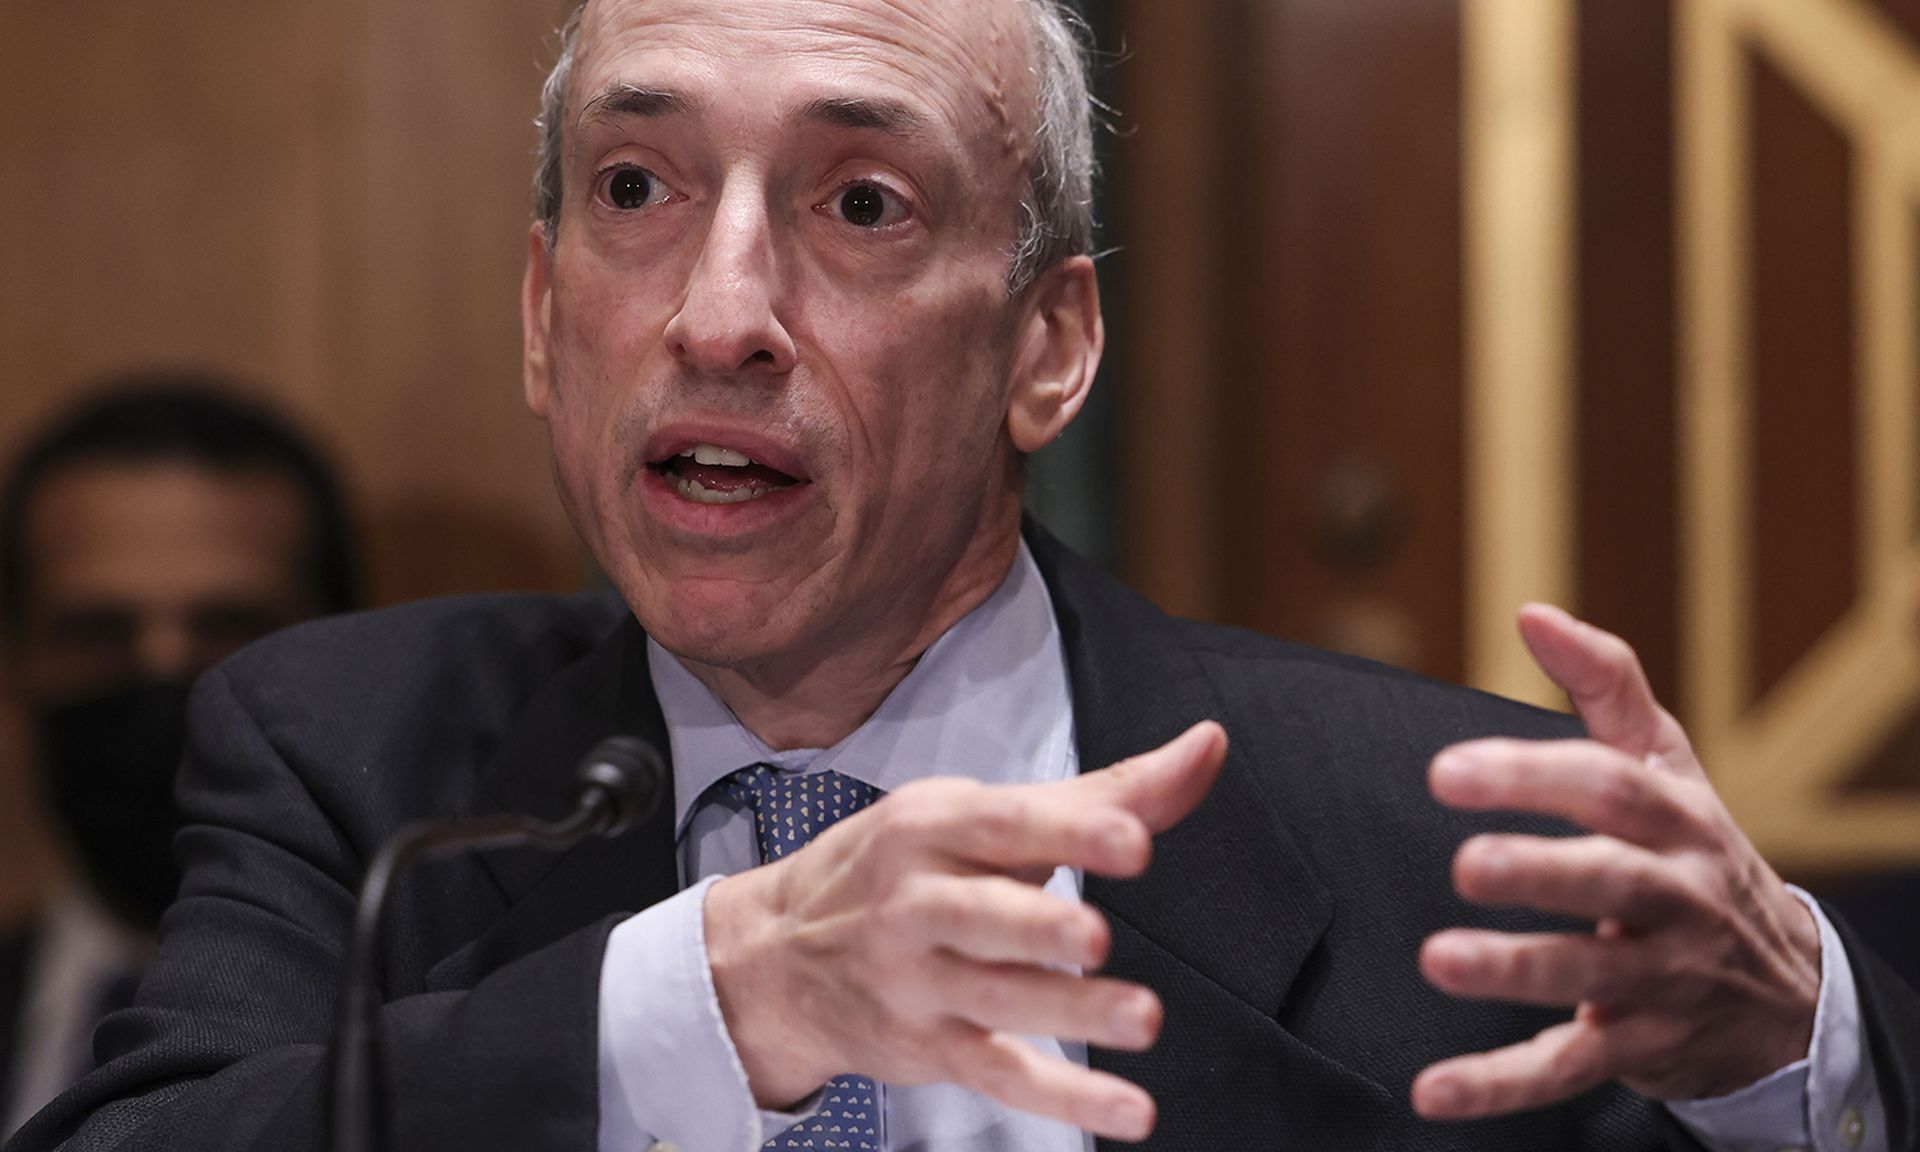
pixel 789 810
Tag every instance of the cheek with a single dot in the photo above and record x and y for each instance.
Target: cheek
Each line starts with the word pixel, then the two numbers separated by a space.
pixel 593 336
pixel 925 376
pixel 606 334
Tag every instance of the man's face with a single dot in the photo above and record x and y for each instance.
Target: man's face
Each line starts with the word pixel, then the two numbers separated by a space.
pixel 784 245
pixel 141 572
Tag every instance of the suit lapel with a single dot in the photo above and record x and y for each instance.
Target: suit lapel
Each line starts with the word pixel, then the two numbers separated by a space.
pixel 1230 893
pixel 1230 901
pixel 549 894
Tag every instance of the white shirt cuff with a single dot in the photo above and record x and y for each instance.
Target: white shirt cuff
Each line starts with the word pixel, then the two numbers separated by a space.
pixel 668 1069
pixel 1827 1102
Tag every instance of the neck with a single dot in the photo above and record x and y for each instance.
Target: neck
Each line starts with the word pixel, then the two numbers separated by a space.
pixel 818 700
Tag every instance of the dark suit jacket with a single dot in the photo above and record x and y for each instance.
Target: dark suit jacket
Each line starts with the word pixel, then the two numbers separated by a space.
pixel 1280 922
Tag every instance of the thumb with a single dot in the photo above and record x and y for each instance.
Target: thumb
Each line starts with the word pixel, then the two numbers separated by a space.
pixel 1162 786
pixel 1603 677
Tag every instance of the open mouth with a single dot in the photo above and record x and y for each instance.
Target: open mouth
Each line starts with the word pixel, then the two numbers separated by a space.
pixel 711 474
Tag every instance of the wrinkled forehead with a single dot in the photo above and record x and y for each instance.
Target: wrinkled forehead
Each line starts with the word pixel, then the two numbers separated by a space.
pixel 967 64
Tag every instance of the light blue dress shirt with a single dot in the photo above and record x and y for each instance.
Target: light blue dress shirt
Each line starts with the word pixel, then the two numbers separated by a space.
pixel 989 700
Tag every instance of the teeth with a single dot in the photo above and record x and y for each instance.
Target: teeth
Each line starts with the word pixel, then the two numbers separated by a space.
pixel 701 494
pixel 714 454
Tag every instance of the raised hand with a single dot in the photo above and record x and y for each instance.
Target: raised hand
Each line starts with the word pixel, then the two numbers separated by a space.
pixel 912 941
pixel 1703 971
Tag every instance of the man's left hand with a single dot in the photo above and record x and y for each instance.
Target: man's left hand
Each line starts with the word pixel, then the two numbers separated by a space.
pixel 1702 973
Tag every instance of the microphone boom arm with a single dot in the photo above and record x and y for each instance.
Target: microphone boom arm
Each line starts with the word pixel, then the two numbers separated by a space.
pixel 620 785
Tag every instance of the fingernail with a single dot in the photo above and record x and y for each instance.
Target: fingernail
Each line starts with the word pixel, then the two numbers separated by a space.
pixel 1132 1022
pixel 1492 861
pixel 1133 1118
pixel 1455 762
pixel 1086 936
pixel 1450 952
pixel 1445 1095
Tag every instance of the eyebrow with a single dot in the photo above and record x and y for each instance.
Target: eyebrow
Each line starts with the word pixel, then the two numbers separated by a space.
pixel 863 113
pixel 617 100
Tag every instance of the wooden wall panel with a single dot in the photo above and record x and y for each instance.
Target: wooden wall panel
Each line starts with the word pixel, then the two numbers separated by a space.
pixel 1173 91
pixel 1628 498
pixel 1343 465
pixel 1904 13
pixel 160 199
pixel 433 190
pixel 1720 506
pixel 1804 526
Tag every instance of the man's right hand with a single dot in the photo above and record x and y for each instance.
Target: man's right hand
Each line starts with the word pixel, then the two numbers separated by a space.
pixel 913 943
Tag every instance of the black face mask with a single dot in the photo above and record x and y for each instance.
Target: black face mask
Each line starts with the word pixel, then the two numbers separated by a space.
pixel 107 765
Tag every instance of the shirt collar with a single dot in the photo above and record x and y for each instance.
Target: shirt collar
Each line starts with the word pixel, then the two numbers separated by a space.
pixel 988 700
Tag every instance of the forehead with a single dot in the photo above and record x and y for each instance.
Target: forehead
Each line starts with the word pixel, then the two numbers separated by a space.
pixel 93 525
pixel 966 65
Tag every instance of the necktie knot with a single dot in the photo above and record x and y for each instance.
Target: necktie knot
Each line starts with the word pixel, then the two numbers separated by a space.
pixel 791 808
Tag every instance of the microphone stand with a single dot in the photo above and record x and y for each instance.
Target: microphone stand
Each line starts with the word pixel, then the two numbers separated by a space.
pixel 620 781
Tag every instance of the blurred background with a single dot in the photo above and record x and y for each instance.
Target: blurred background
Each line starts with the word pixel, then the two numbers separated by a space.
pixel 1418 309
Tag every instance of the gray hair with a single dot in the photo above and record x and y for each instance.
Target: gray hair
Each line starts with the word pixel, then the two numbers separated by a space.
pixel 1056 208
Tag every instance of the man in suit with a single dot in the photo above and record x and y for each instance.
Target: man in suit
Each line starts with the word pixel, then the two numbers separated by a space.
pixel 145 535
pixel 957 856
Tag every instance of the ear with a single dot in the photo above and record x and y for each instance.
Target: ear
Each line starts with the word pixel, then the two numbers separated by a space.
pixel 536 321
pixel 1060 342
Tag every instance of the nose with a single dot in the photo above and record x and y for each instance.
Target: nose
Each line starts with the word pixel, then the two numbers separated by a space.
pixel 165 649
pixel 729 319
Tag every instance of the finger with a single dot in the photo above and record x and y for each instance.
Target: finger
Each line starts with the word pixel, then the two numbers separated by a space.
pixel 1597 787
pixel 1557 970
pixel 1016 1074
pixel 1161 786
pixel 1102 821
pixel 1589 877
pixel 1024 831
pixel 1559 1063
pixel 1042 1002
pixel 1603 677
pixel 996 919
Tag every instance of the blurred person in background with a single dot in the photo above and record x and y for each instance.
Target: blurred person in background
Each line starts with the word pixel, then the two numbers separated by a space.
pixel 144 536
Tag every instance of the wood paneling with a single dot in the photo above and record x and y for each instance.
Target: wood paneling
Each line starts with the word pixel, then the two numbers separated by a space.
pixel 434 196
pixel 1173 91
pixel 1343 465
pixel 328 199
pixel 1894 767
pixel 1628 477
pixel 1904 13
pixel 1804 527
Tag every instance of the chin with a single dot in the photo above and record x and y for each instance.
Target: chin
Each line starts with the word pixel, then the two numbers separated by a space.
pixel 722 624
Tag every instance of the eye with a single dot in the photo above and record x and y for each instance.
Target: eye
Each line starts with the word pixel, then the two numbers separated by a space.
pixel 866 204
pixel 630 189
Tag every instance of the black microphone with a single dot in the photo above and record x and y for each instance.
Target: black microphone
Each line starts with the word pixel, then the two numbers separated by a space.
pixel 620 784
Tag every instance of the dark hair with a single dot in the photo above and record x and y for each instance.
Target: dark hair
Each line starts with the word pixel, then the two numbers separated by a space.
pixel 190 418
